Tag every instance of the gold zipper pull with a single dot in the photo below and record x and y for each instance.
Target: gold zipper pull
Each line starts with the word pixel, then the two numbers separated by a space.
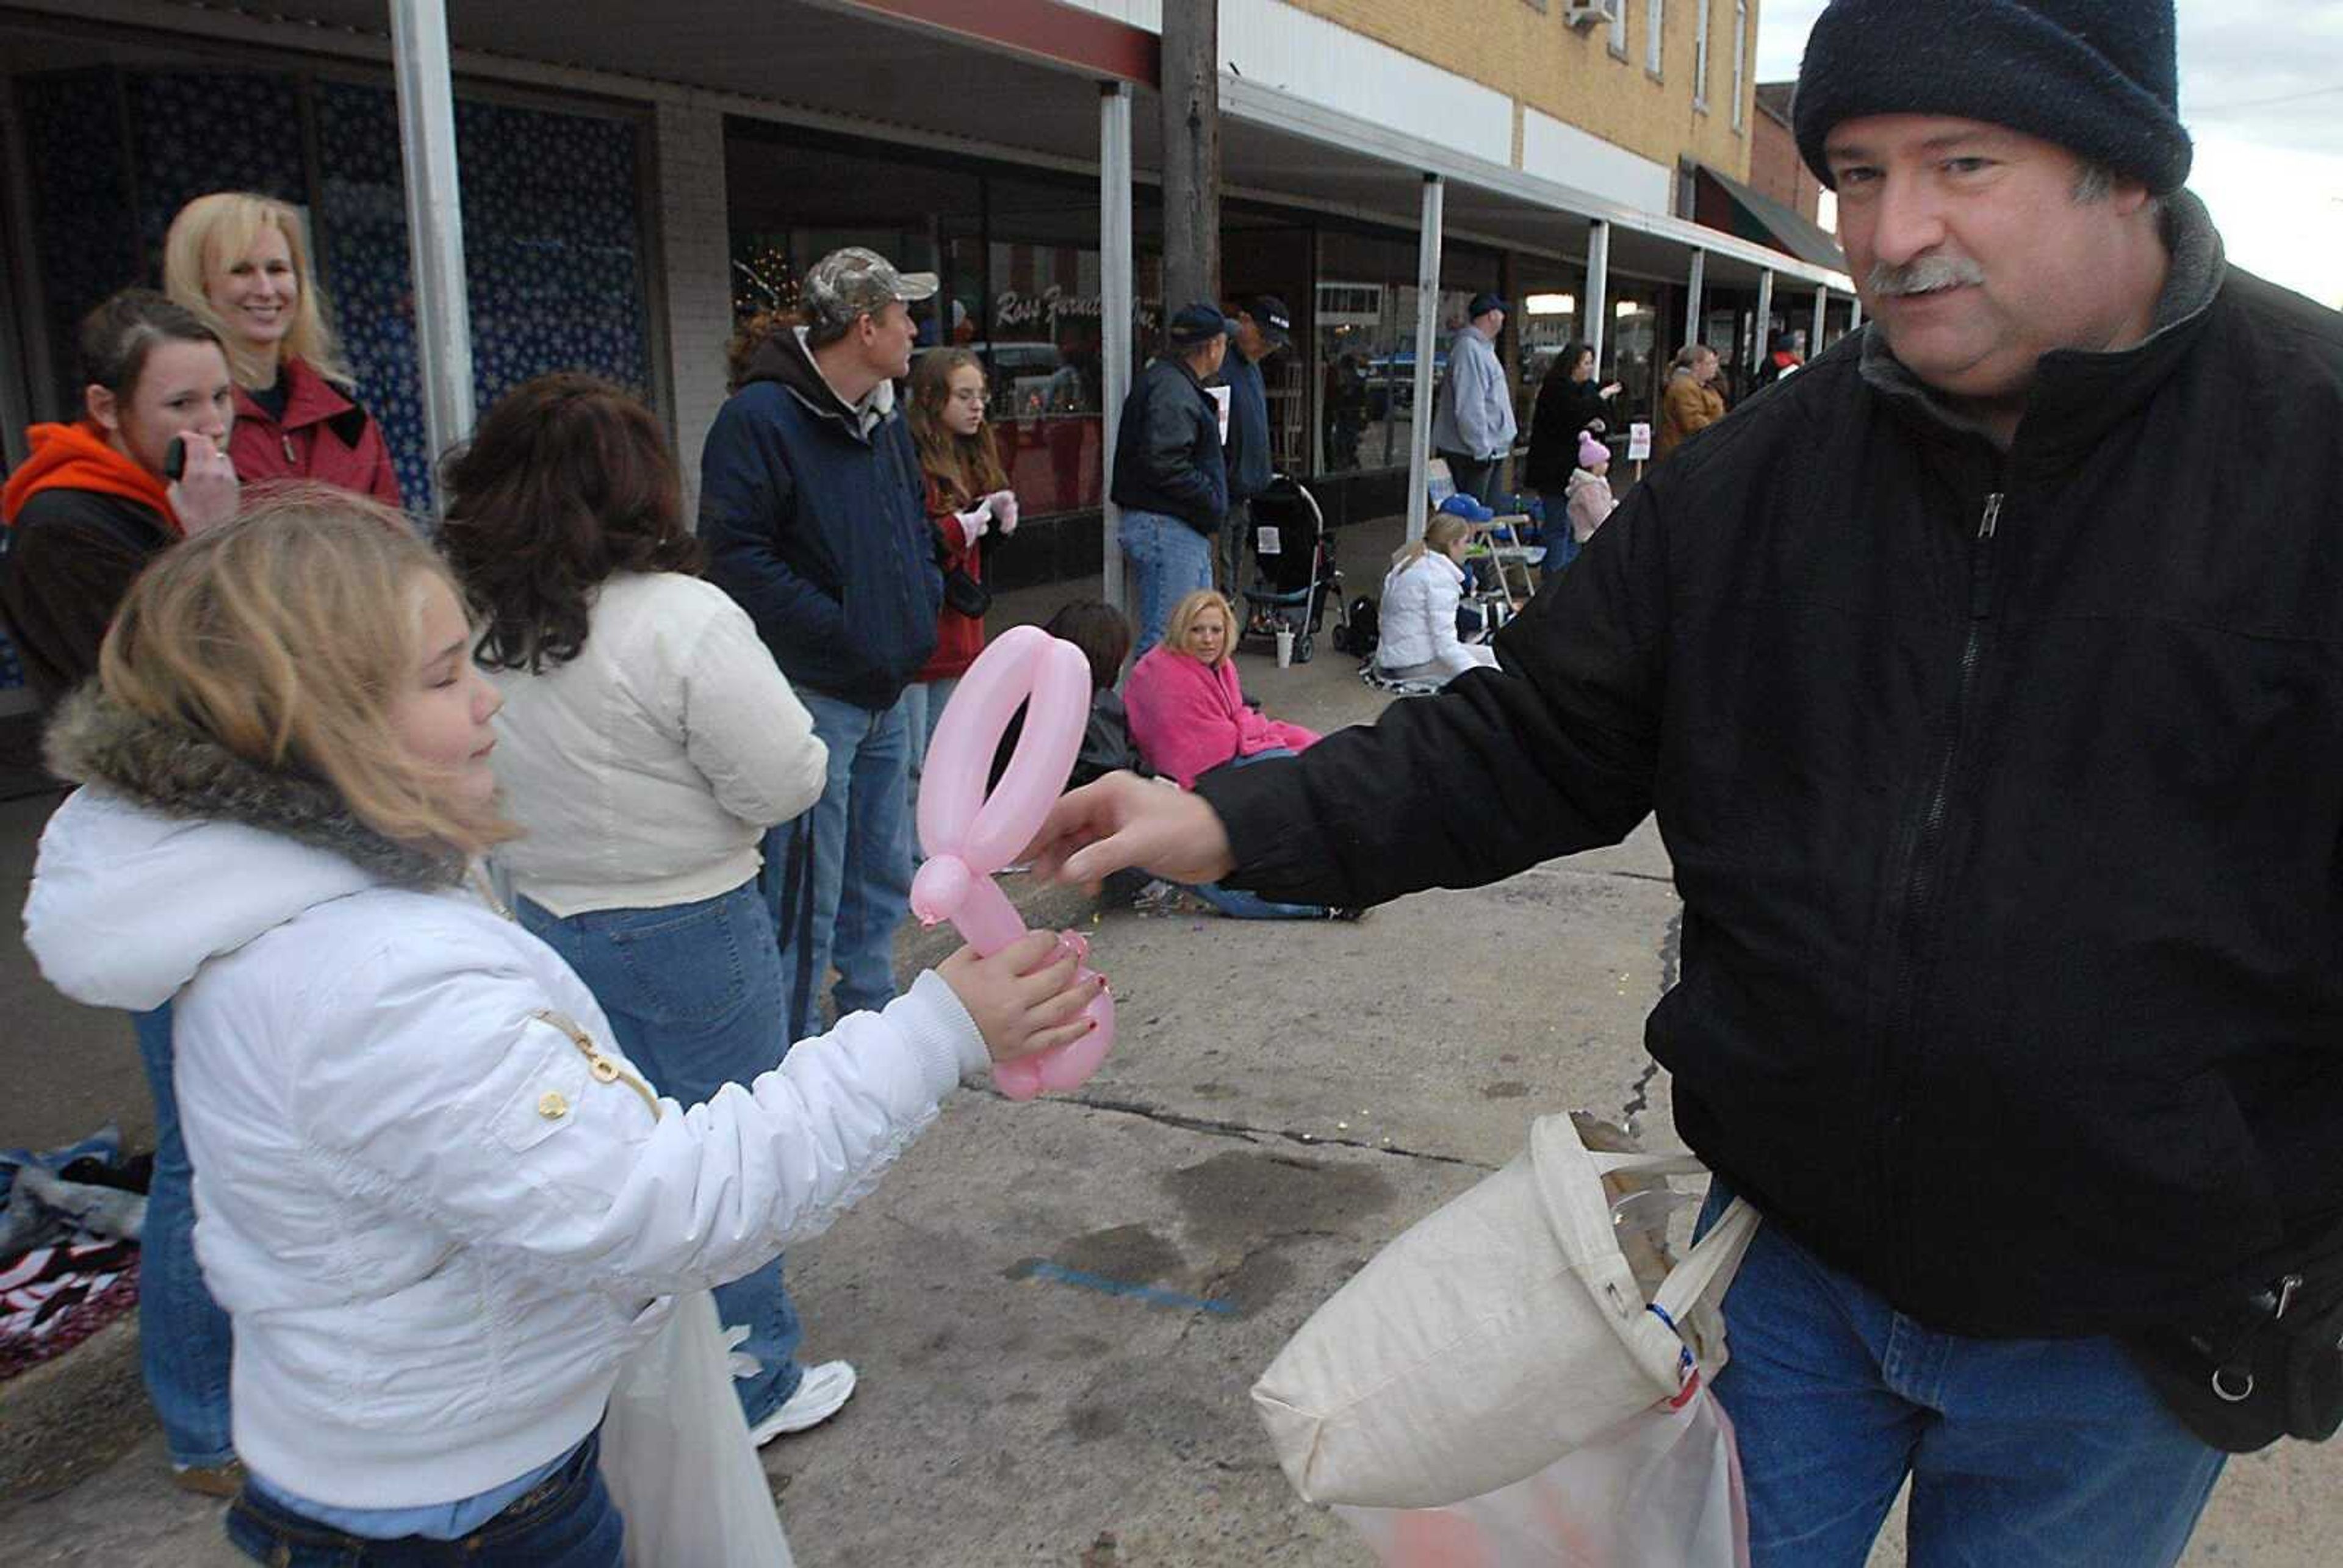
pixel 604 1069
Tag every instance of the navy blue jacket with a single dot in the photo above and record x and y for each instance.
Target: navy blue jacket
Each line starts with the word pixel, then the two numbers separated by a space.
pixel 1167 453
pixel 817 529
pixel 1249 468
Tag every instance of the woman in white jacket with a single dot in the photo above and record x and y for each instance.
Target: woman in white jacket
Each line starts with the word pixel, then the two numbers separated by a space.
pixel 1416 636
pixel 438 1203
pixel 646 743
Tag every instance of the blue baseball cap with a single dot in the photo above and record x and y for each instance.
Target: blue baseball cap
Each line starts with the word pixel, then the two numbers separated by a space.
pixel 1193 324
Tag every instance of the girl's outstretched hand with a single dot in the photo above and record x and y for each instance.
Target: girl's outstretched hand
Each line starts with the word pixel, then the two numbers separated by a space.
pixel 1025 997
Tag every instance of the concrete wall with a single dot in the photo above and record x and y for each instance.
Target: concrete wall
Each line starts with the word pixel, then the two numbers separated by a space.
pixel 691 224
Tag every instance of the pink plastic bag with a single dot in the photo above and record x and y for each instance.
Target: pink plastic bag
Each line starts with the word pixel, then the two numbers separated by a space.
pixel 1663 1487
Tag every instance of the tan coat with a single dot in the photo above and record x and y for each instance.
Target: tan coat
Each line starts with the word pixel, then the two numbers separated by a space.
pixel 1686 406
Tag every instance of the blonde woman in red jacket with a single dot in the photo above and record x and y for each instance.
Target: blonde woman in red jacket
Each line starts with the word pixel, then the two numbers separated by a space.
pixel 967 497
pixel 242 262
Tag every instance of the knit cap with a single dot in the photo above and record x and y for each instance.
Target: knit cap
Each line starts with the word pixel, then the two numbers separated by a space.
pixel 1591 451
pixel 2099 77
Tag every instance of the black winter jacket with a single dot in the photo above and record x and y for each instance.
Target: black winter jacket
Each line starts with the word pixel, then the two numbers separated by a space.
pixel 1166 449
pixel 2004 795
pixel 820 530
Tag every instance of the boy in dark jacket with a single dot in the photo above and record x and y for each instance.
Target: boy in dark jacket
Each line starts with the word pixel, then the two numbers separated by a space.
pixel 1171 479
pixel 1991 724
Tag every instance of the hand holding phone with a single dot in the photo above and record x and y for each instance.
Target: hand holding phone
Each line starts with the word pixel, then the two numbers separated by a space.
pixel 204 489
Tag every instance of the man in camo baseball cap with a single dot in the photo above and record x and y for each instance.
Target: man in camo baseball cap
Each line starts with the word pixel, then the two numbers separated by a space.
pixel 854 282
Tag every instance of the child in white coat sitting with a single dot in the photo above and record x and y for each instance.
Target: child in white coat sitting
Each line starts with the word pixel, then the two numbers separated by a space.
pixel 1417 641
pixel 438 1201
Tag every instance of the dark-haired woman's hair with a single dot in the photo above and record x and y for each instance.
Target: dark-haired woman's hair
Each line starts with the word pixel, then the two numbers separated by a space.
pixel 119 335
pixel 750 334
pixel 567 480
pixel 964 468
pixel 1101 631
pixel 1565 361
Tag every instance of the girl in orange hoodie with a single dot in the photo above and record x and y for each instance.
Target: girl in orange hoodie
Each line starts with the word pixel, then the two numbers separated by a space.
pixel 92 505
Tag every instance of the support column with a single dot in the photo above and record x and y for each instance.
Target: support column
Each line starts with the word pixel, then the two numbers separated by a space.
pixel 1695 287
pixel 695 231
pixel 1192 152
pixel 1854 311
pixel 1597 313
pixel 435 219
pixel 1116 308
pixel 1427 326
pixel 1764 333
pixel 1821 314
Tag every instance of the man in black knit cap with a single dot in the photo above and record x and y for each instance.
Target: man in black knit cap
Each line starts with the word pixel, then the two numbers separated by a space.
pixel 1986 679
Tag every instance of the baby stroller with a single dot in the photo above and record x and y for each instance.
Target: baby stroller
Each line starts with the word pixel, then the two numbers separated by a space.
pixel 1293 569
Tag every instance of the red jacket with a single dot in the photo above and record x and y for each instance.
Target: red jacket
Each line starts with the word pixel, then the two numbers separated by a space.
pixel 324 436
pixel 959 637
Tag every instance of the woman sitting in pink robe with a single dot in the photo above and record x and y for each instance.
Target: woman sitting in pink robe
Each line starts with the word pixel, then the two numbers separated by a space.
pixel 1187 712
pixel 1188 716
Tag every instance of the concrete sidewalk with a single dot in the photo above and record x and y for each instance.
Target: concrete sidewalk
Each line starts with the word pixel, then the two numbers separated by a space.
pixel 1057 1308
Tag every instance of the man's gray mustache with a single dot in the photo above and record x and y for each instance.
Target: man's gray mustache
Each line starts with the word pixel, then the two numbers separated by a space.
pixel 1924 276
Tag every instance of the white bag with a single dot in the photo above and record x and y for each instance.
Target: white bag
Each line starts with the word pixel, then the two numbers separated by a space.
pixel 1494 1336
pixel 677 1458
pixel 1662 1487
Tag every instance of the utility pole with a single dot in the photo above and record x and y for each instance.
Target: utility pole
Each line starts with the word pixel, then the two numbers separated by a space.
pixel 1192 152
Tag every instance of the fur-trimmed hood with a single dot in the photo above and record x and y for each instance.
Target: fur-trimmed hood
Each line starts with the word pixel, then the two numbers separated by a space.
pixel 176 852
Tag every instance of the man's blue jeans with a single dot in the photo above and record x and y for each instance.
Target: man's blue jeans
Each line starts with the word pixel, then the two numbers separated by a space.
pixel 1169 560
pixel 183 1336
pixel 2021 1453
pixel 837 880
pixel 694 993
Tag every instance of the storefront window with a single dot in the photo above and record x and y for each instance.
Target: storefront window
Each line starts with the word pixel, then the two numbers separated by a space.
pixel 1549 322
pixel 1637 357
pixel 1367 317
pixel 552 239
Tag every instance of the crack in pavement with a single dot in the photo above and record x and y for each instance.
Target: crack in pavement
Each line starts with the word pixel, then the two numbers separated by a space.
pixel 1245 1133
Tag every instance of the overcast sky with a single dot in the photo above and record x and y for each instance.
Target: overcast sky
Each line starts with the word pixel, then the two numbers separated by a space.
pixel 2261 91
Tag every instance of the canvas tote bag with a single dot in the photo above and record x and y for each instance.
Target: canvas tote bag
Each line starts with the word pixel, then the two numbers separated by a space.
pixel 1494 1336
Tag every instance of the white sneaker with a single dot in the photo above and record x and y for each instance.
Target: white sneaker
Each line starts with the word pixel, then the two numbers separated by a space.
pixel 821 1393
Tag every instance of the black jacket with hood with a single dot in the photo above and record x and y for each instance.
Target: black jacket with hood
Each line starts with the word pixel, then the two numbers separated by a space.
pixel 2003 792
pixel 815 522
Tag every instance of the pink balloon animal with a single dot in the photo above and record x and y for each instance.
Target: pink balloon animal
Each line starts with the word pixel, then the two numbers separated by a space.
pixel 969 835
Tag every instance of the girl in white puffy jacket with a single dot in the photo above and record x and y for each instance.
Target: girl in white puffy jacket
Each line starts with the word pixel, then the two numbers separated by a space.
pixel 1417 639
pixel 438 1201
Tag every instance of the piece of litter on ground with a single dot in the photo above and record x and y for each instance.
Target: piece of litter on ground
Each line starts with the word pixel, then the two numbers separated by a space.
pixel 1342 1127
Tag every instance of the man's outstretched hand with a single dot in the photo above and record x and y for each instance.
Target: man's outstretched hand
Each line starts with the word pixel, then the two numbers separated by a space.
pixel 1124 820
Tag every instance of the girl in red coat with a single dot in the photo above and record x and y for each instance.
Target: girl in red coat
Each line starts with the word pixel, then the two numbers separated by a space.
pixel 240 261
pixel 968 497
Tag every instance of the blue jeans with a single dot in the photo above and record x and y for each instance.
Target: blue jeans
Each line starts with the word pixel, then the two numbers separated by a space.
pixel 838 879
pixel 923 706
pixel 1169 560
pixel 694 994
pixel 183 1335
pixel 568 1521
pixel 2021 1452
pixel 1239 905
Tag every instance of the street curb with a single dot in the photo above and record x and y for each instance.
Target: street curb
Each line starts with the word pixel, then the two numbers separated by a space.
pixel 69 1417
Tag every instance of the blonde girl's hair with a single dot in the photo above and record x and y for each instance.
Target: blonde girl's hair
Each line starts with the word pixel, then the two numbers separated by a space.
pixel 1443 529
pixel 289 637
pixel 220 228
pixel 964 467
pixel 1185 613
